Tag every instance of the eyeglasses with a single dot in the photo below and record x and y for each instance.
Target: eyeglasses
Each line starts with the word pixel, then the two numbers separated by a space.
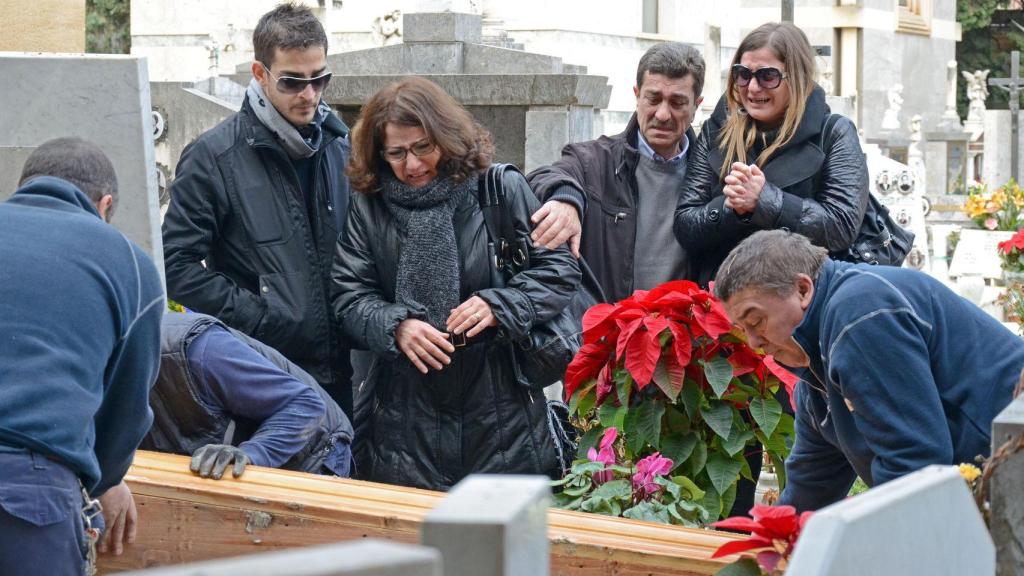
pixel 292 85
pixel 767 78
pixel 419 148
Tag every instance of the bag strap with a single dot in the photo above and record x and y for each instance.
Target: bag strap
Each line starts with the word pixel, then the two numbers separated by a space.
pixel 497 217
pixel 826 131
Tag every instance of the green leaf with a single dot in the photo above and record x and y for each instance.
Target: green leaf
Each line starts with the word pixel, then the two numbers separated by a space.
pixel 623 385
pixel 612 416
pixel 728 499
pixel 678 447
pixel 614 490
pixel 584 467
pixel 719 417
pixel 648 423
pixel 585 407
pixel 588 441
pixel 698 458
pixel 712 502
pixel 578 396
pixel 766 412
pixel 745 471
pixel 692 398
pixel 719 374
pixel 741 567
pixel 722 471
pixel 669 380
pixel 695 493
pixel 780 470
pixel 649 511
pixel 738 438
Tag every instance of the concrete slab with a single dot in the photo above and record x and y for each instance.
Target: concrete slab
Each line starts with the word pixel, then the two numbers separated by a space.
pixel 12 159
pixel 102 98
pixel 362 558
pixel 1004 491
pixel 494 525
pixel 923 524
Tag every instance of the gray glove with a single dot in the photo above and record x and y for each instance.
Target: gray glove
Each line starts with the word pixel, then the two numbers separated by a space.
pixel 211 460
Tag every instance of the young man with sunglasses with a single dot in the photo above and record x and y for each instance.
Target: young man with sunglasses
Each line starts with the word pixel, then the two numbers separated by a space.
pixel 612 198
pixel 261 199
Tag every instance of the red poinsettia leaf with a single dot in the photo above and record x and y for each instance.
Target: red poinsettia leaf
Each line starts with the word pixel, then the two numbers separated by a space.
pixel 737 523
pixel 768 560
pixel 776 522
pixel 656 324
pixel 626 331
pixel 744 360
pixel 682 347
pixel 642 357
pixel 674 301
pixel 585 365
pixel 787 378
pixel 599 321
pixel 737 546
pixel 715 320
pixel 605 382
pixel 683 287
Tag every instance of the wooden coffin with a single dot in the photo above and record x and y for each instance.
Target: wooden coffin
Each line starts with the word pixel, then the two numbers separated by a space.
pixel 184 518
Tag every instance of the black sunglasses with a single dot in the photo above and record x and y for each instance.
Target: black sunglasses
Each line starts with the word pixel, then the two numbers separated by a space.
pixel 767 78
pixel 292 85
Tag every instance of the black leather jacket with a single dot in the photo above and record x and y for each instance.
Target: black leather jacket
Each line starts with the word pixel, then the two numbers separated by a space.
pixel 432 430
pixel 820 193
pixel 236 203
pixel 602 173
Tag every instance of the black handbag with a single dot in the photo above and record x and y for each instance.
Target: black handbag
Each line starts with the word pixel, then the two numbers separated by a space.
pixel 539 359
pixel 880 239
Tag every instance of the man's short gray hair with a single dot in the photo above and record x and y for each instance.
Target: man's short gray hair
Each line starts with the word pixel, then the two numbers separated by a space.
pixel 674 60
pixel 770 261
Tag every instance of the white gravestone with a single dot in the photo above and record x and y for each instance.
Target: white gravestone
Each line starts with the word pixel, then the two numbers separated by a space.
pixel 923 524
pixel 493 525
pixel 977 254
pixel 102 98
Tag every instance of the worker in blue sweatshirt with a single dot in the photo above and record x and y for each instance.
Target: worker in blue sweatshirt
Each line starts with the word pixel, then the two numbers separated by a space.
pixel 79 350
pixel 227 399
pixel 898 372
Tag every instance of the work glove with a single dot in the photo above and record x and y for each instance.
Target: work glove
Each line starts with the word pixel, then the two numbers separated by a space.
pixel 211 460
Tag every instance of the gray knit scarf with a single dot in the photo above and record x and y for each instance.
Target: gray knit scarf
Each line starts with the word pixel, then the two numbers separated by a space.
pixel 294 143
pixel 428 268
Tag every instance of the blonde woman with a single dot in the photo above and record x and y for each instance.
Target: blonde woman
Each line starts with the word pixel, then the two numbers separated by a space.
pixel 762 161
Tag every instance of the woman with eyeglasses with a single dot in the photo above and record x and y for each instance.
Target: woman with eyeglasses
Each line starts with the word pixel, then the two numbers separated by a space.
pixel 762 161
pixel 413 284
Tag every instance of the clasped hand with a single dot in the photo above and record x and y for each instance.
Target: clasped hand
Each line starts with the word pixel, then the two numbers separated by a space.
pixel 427 347
pixel 743 187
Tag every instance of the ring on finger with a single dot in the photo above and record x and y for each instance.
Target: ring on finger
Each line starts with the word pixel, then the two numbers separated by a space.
pixel 475 316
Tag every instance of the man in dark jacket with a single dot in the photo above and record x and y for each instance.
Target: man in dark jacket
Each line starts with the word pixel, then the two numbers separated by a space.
pixel 262 198
pixel 612 198
pixel 223 397
pixel 897 371
pixel 79 335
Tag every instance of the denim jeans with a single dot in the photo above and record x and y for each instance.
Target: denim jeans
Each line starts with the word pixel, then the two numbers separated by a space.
pixel 41 529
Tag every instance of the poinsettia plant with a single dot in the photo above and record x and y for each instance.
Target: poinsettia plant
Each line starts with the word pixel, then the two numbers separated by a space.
pixel 774 531
pixel 666 369
pixel 604 484
pixel 1010 252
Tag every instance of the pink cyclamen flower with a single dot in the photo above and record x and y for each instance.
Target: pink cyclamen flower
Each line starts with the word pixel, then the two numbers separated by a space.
pixel 606 455
pixel 991 223
pixel 644 484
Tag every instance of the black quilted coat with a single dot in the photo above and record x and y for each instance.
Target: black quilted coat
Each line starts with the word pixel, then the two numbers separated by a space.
pixel 430 431
pixel 814 187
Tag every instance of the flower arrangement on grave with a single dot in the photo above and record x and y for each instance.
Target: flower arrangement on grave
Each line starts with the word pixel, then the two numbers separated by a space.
pixel 1010 253
pixel 665 369
pixel 604 484
pixel 996 210
pixel 774 531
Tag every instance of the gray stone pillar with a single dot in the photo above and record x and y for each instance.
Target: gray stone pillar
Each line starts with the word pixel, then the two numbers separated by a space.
pixel 1006 491
pixel 360 558
pixel 493 525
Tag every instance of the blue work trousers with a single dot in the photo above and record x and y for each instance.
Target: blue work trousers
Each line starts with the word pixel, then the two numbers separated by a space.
pixel 41 526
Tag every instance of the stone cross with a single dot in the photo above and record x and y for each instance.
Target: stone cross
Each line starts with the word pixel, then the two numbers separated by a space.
pixel 1013 85
pixel 950 119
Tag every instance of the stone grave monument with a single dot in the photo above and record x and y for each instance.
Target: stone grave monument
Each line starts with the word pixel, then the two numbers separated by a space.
pixel 922 524
pixel 1006 487
pixel 533 104
pixel 101 98
pixel 946 147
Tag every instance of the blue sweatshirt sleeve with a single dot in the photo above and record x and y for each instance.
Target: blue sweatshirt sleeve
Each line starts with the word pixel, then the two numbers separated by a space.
pixel 239 380
pixel 882 366
pixel 817 472
pixel 124 415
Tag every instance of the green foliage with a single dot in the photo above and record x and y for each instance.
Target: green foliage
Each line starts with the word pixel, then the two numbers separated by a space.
pixel 986 46
pixel 107 26
pixel 742 567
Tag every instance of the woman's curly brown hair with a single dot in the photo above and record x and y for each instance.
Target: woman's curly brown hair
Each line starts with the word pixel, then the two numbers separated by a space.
pixel 465 145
